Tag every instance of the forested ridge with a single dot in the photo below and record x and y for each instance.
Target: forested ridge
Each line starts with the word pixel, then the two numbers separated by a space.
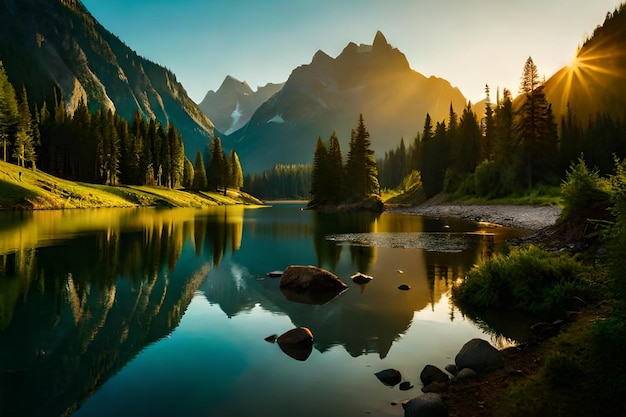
pixel 104 148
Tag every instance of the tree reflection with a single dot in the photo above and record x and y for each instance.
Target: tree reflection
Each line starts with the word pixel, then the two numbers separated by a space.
pixel 74 312
pixel 328 253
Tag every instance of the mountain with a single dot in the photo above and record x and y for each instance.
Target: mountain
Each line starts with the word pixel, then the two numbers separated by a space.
pixel 595 82
pixel 329 94
pixel 57 43
pixel 232 105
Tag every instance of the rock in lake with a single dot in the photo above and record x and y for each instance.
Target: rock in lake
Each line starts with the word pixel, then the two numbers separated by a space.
pixel 479 355
pixel 310 279
pixel 404 287
pixel 405 386
pixel 360 278
pixel 275 274
pixel 427 405
pixel 297 336
pixel 390 377
pixel 296 343
pixel 431 374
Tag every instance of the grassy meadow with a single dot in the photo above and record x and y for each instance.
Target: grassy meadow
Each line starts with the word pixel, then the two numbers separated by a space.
pixel 35 190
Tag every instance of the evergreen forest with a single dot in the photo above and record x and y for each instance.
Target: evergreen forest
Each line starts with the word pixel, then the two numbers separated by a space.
pixel 515 147
pixel 103 148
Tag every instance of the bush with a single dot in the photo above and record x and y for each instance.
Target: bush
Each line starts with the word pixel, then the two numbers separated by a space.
pixel 582 190
pixel 528 279
pixel 487 179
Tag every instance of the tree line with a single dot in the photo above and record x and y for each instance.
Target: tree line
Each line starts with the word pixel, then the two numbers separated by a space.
pixel 102 147
pixel 515 146
pixel 292 181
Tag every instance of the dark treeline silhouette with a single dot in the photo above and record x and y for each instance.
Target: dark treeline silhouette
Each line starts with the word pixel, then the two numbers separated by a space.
pixel 334 183
pixel 281 182
pixel 514 147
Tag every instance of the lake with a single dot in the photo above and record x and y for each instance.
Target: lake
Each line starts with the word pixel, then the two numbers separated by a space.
pixel 148 312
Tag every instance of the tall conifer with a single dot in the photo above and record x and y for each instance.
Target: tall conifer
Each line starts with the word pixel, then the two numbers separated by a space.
pixel 361 169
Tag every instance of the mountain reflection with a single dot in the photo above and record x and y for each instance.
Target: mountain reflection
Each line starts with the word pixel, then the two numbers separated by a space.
pixel 83 292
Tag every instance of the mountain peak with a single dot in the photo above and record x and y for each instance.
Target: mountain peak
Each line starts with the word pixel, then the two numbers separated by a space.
pixel 233 84
pixel 321 56
pixel 380 41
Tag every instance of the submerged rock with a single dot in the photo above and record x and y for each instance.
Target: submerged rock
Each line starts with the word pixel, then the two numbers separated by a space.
pixel 390 377
pixel 404 287
pixel 405 386
pixel 310 279
pixel 360 278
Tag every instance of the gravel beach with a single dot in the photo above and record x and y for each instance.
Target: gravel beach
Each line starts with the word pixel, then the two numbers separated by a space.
pixel 523 217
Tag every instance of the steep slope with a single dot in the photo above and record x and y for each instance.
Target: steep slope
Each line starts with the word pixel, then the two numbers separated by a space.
pixel 329 94
pixel 234 103
pixel 47 43
pixel 595 82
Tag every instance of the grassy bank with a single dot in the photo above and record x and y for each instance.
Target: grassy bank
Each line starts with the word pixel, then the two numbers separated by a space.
pixel 24 189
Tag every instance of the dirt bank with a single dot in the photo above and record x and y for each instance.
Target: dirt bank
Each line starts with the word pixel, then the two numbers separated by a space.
pixel 523 217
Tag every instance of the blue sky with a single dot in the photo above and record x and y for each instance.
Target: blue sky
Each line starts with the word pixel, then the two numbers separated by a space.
pixel 469 43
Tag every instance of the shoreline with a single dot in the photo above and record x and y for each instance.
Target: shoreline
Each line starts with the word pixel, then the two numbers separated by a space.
pixel 508 215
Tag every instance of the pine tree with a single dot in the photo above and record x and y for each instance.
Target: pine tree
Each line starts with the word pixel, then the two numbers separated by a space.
pixel 24 148
pixel 9 115
pixel 467 148
pixel 361 169
pixel 199 173
pixel 236 173
pixel 335 169
pixel 488 127
pixel 188 173
pixel 535 128
pixel 217 173
pixel 177 156
pixel 319 177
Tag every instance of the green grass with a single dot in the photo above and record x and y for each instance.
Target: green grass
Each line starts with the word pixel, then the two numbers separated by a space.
pixel 540 196
pixel 38 190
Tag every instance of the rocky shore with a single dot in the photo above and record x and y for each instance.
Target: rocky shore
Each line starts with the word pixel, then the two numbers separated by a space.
pixel 523 217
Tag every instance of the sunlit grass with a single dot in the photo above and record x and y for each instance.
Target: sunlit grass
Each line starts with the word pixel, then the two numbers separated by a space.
pixel 38 190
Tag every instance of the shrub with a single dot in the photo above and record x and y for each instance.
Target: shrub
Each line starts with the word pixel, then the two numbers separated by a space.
pixel 487 179
pixel 528 279
pixel 582 189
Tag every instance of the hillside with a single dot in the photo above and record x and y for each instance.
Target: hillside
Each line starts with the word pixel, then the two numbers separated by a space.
pixel 38 190
pixel 595 82
pixel 48 44
pixel 329 94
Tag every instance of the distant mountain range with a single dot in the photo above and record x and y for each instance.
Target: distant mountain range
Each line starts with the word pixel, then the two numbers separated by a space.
pixel 329 94
pixel 57 43
pixel 232 105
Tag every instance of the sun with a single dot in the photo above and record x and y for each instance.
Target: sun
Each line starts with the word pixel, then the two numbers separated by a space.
pixel 594 67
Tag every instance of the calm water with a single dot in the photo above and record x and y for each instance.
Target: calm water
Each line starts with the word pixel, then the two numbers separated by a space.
pixel 164 312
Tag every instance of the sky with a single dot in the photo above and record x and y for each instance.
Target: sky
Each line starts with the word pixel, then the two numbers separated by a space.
pixel 470 43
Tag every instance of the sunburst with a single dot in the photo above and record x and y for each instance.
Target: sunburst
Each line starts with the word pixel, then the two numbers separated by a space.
pixel 594 68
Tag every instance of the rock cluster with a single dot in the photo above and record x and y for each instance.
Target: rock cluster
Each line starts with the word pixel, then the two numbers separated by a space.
pixel 475 357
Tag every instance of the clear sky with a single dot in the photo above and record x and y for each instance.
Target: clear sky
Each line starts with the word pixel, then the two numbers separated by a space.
pixel 468 42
